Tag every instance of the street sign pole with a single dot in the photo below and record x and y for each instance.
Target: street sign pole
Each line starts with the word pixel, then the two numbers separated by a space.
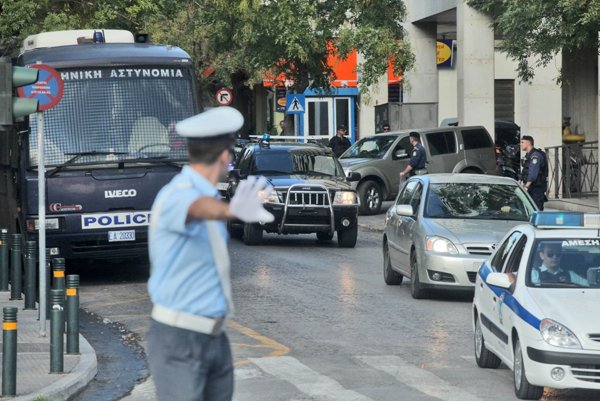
pixel 42 222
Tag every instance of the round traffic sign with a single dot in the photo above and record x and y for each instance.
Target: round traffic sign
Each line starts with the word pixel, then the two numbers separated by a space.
pixel 48 89
pixel 224 96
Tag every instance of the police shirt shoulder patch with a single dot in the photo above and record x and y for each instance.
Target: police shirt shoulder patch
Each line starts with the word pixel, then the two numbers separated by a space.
pixel 414 153
pixel 534 160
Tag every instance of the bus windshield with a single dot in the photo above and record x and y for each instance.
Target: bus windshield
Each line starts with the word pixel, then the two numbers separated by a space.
pixel 116 114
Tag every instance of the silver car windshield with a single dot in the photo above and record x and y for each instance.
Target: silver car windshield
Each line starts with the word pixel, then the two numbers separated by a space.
pixel 565 263
pixel 478 201
pixel 373 147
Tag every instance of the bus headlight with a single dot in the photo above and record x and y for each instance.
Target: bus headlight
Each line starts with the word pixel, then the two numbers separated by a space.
pixel 344 198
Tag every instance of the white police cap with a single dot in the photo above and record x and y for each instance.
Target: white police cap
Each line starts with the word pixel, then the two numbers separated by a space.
pixel 214 122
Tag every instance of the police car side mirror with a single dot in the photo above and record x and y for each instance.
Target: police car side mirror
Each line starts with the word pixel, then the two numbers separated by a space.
pixel 400 154
pixel 353 176
pixel 501 280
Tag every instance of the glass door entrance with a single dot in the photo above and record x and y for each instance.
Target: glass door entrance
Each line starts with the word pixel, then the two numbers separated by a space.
pixel 324 114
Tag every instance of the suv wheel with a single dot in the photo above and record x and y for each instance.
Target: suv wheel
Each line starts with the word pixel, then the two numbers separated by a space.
pixel 416 290
pixel 347 236
pixel 253 234
pixel 371 197
pixel 235 230
pixel 324 236
pixel 390 276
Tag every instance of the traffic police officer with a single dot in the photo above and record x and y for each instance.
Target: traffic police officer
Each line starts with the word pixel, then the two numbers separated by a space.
pixel 534 173
pixel 189 354
pixel 418 158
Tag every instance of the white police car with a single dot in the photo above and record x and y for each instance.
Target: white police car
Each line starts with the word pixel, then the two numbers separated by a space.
pixel 537 304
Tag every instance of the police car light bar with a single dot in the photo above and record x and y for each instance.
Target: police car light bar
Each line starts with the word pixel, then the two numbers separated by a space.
pixel 565 220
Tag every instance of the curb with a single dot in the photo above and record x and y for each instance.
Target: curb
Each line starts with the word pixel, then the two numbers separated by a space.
pixel 72 382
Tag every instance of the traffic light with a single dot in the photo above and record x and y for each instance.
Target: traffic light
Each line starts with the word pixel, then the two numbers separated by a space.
pixel 10 78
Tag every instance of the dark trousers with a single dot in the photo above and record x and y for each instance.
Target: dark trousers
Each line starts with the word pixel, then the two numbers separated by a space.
pixel 189 366
pixel 538 194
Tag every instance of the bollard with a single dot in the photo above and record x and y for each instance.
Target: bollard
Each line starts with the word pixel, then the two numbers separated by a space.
pixel 58 274
pixel 29 260
pixel 9 352
pixel 57 331
pixel 73 314
pixel 4 259
pixel 16 275
pixel 48 281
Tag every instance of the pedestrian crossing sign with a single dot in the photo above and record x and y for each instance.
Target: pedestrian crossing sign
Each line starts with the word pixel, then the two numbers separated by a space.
pixel 294 103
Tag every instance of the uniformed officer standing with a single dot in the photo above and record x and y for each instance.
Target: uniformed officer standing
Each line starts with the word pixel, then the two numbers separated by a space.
pixel 534 173
pixel 189 354
pixel 418 158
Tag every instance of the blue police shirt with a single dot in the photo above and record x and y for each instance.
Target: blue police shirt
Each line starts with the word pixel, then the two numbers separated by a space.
pixel 535 159
pixel 418 157
pixel 183 272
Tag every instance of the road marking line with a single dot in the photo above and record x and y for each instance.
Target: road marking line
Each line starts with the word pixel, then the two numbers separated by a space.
pixel 307 380
pixel 417 378
pixel 264 342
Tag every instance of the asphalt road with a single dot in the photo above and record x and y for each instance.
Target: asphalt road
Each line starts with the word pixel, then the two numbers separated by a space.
pixel 317 322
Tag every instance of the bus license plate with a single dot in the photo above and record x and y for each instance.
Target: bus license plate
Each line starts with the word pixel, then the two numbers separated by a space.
pixel 127 235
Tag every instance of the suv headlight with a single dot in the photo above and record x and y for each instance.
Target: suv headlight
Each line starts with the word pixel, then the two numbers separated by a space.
pixel 344 198
pixel 269 196
pixel 558 335
pixel 440 245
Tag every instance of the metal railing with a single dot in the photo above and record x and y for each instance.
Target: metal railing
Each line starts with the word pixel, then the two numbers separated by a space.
pixel 573 170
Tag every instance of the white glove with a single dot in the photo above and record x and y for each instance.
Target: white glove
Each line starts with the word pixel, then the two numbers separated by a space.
pixel 247 203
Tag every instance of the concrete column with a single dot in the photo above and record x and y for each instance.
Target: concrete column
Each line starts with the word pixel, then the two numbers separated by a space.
pixel 475 67
pixel 541 106
pixel 421 82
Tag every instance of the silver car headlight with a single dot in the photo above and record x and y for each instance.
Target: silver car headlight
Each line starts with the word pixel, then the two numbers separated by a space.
pixel 345 198
pixel 440 245
pixel 558 335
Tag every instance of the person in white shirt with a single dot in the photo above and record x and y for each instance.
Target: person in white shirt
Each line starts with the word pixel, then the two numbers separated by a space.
pixel 550 271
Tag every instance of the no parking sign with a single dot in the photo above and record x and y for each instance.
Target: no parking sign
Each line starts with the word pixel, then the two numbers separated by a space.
pixel 48 89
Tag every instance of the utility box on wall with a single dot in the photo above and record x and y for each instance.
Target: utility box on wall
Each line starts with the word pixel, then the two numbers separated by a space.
pixel 403 116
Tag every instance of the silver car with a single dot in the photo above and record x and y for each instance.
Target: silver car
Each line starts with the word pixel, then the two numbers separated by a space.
pixel 443 226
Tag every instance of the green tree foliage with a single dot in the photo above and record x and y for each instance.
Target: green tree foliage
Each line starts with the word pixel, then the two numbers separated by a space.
pixel 534 31
pixel 237 39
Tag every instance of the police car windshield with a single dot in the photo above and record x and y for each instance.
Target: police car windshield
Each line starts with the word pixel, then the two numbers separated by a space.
pixel 286 163
pixel 128 113
pixel 477 201
pixel 565 263
pixel 373 147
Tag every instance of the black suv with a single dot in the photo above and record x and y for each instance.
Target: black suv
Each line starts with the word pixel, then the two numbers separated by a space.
pixel 312 194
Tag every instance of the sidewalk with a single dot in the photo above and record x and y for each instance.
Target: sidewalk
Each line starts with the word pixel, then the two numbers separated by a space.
pixel 33 360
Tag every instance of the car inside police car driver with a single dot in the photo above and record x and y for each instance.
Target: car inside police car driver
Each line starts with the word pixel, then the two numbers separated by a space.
pixel 550 271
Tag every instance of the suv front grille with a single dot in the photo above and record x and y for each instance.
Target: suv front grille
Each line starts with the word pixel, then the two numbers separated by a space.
pixel 307 197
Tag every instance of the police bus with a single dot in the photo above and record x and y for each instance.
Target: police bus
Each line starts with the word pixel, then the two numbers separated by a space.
pixel 109 145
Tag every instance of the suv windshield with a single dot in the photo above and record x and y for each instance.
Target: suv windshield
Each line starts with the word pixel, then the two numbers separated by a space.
pixel 373 147
pixel 114 114
pixel 478 201
pixel 565 263
pixel 303 161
